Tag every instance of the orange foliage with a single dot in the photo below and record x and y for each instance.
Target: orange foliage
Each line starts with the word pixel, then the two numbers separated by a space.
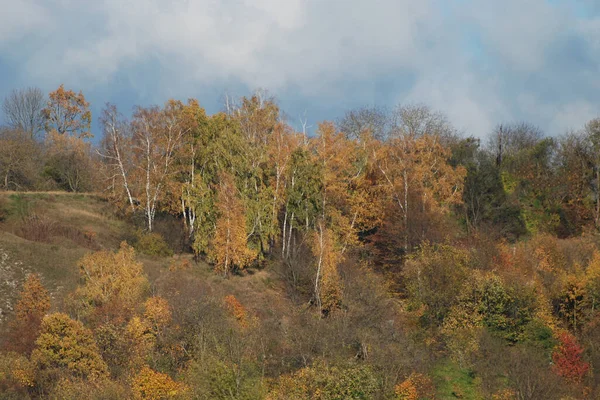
pixel 158 312
pixel 151 385
pixel 237 310
pixel 68 113
pixel 229 246
pixel 416 386
pixel 33 304
pixel 328 286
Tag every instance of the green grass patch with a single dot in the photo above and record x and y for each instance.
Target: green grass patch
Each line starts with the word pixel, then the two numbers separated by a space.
pixel 453 382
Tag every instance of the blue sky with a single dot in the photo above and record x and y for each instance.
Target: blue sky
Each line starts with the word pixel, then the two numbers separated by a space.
pixel 481 62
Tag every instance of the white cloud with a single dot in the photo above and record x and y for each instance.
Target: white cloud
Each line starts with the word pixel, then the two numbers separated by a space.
pixel 316 48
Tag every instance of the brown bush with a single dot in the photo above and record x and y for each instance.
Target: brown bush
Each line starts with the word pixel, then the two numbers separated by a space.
pixel 39 228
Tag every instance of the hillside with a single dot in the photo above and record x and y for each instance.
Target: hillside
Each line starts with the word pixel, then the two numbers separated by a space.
pixel 48 233
pixel 231 257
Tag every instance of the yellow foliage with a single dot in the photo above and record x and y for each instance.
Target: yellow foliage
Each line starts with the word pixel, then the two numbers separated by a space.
pixel 505 394
pixel 152 385
pixel 16 370
pixel 158 312
pixel 141 341
pixel 34 300
pixel 66 344
pixel 112 280
pixel 229 247
pixel 329 287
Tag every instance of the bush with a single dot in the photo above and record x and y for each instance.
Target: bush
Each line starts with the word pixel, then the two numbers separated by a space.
pixel 151 244
pixel 39 228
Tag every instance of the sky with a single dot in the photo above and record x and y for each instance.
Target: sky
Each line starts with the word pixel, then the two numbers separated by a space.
pixel 480 62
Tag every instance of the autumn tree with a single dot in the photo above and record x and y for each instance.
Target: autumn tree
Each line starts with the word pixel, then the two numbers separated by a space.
pixel 113 284
pixel 20 160
pixel 68 113
pixel 69 162
pixel 420 180
pixel 66 345
pixel 151 385
pixel 229 247
pixel 327 285
pixel 116 152
pixel 567 357
pixel 31 307
pixel 22 110
pixel 321 381
pixel 158 134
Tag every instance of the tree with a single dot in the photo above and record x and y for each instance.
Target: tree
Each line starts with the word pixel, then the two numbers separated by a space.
pixel 415 120
pixel 568 362
pixel 67 345
pixel 229 247
pixel 32 305
pixel 323 382
pixel 20 160
pixel 69 162
pixel 116 152
pixel 509 139
pixel 327 287
pixel 151 385
pixel 113 283
pixel 355 123
pixel 22 110
pixel 68 113
pixel 420 180
pixel 416 386
pixel 158 134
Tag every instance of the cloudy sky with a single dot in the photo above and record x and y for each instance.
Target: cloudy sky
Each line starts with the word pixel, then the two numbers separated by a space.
pixel 480 62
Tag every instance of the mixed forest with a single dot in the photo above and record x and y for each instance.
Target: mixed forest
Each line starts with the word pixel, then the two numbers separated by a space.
pixel 384 255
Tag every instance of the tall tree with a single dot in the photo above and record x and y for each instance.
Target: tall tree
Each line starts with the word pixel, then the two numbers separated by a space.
pixel 158 135
pixel 116 152
pixel 230 245
pixel 68 113
pixel 22 110
pixel 374 120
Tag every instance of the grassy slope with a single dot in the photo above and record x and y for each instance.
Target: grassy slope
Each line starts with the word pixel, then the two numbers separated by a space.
pixel 55 261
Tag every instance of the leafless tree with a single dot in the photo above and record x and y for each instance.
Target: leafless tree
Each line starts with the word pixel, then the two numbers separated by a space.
pixel 508 139
pixel 22 110
pixel 116 149
pixel 415 120
pixel 373 119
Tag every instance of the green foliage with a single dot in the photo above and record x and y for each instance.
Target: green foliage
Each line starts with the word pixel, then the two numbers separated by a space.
pixel 434 277
pixel 151 244
pixel 503 310
pixel 305 193
pixel 215 379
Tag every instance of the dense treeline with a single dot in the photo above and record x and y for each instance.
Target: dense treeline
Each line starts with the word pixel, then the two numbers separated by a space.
pixel 402 247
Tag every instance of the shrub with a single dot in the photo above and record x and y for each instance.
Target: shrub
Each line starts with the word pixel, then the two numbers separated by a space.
pixel 152 244
pixel 38 228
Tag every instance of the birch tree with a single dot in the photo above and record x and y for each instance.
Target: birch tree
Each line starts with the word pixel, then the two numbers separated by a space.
pixel 157 137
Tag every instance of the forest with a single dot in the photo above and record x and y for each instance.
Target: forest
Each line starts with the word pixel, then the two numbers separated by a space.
pixel 384 255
